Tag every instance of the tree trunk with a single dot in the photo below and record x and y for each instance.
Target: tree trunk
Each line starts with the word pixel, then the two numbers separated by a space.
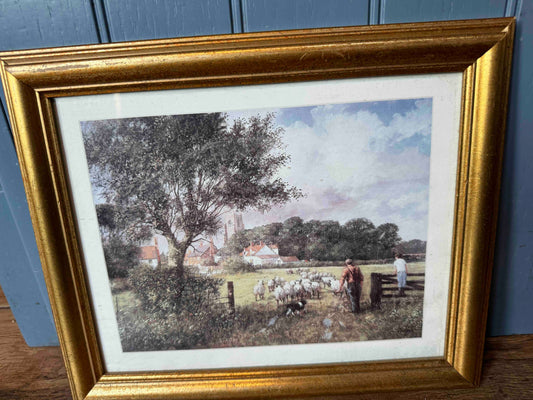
pixel 171 252
pixel 176 253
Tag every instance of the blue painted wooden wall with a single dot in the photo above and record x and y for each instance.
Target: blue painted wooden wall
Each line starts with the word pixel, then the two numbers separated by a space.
pixel 45 23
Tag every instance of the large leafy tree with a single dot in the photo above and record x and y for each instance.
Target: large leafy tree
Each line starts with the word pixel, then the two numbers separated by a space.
pixel 360 235
pixel 120 251
pixel 180 173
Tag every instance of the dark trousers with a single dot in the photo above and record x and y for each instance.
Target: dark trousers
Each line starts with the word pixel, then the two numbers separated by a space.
pixel 354 294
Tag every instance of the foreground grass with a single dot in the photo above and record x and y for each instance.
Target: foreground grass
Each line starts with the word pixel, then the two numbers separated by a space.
pixel 259 323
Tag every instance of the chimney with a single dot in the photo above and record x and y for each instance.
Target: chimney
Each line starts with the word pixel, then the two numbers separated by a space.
pixel 157 251
pixel 211 248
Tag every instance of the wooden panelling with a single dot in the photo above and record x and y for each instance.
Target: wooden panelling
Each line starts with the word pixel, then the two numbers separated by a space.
pixel 512 282
pixel 46 23
pixel 18 276
pixel 394 11
pixel 31 24
pixel 268 15
pixel 136 20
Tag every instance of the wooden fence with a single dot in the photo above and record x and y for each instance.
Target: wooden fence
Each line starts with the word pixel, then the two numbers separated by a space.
pixel 230 300
pixel 384 286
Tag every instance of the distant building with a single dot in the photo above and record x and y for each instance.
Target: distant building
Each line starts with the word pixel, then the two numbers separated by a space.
pixel 149 255
pixel 261 253
pixel 232 224
pixel 202 254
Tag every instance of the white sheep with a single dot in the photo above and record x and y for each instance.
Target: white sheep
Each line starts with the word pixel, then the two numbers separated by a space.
pixel 259 290
pixel 308 290
pixel 298 290
pixel 335 285
pixel 326 280
pixel 271 285
pixel 315 288
pixel 289 290
pixel 279 295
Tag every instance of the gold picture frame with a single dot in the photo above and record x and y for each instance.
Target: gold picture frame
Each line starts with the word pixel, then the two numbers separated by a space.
pixel 479 49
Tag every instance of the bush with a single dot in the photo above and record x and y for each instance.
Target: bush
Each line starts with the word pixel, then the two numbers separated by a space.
pixel 237 265
pixel 163 291
pixel 144 332
pixel 120 257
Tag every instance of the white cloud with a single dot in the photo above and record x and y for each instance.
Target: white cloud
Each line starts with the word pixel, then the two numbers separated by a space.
pixel 347 166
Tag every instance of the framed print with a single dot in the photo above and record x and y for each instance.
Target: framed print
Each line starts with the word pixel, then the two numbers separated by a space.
pixel 287 214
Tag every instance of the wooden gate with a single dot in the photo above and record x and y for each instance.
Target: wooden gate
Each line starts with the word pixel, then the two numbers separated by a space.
pixel 384 286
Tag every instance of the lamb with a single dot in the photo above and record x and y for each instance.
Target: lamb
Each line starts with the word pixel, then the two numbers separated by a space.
pixel 271 285
pixel 259 290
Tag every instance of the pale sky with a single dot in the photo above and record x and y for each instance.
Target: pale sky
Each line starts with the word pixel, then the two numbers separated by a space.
pixel 362 160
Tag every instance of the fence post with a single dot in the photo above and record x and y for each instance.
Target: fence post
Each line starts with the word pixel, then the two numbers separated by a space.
pixel 376 290
pixel 231 297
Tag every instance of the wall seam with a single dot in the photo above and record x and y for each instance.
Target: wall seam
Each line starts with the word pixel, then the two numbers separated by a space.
pixel 244 15
pixel 101 21
pixel 381 17
pixel 236 16
pixel 374 7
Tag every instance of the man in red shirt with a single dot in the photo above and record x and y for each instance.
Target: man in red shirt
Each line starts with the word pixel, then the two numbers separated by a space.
pixel 354 277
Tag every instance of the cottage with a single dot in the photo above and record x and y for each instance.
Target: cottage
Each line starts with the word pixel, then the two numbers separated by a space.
pixel 203 254
pixel 261 254
pixel 149 255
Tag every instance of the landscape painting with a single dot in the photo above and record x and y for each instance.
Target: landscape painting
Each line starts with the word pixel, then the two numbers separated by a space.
pixel 244 228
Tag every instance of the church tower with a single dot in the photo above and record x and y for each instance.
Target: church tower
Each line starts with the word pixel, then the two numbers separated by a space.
pixel 232 224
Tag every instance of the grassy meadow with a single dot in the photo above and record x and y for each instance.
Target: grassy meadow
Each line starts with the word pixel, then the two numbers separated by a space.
pixel 262 322
pixel 244 283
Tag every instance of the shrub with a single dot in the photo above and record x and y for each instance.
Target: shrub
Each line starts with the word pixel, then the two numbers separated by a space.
pixel 237 265
pixel 120 257
pixel 163 291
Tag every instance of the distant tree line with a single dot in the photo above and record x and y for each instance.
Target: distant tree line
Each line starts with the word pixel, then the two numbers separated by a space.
pixel 326 240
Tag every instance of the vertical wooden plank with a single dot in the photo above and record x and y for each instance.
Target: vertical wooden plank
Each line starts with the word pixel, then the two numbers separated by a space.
pixel 267 15
pixel 17 275
pixel 31 24
pixel 20 271
pixel 394 11
pixel 167 18
pixel 46 23
pixel 512 287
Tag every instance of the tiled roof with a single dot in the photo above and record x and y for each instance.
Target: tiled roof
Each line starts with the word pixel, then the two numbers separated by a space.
pixel 289 258
pixel 254 248
pixel 268 256
pixel 202 250
pixel 149 253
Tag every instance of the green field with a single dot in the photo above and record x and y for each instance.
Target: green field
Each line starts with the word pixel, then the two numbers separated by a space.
pixel 244 283
pixel 263 322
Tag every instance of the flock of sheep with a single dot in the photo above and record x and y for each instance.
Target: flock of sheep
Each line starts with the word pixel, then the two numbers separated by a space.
pixel 308 286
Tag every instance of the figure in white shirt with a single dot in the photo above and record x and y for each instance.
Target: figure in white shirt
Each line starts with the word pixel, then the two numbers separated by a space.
pixel 401 272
